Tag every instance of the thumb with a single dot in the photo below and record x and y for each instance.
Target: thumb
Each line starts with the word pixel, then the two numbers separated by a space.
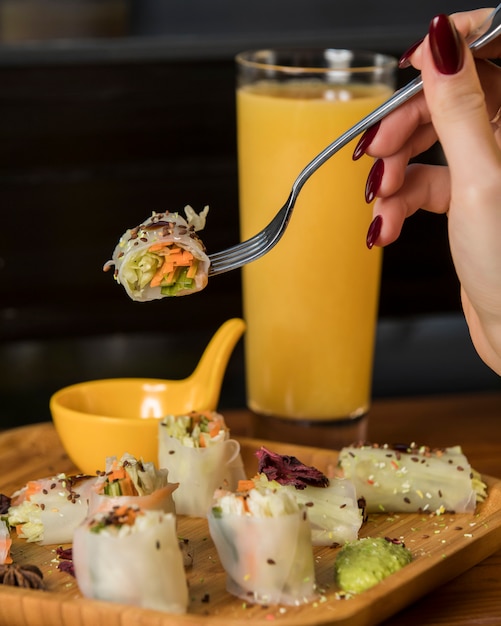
pixel 456 100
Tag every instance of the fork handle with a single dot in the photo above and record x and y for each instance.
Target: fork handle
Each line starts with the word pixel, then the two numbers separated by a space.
pixel 486 32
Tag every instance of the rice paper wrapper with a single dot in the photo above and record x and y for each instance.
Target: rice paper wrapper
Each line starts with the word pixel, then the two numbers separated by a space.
pixel 199 471
pixel 157 490
pixel 135 264
pixel 50 515
pixel 268 560
pixel 5 543
pixel 160 500
pixel 235 471
pixel 144 568
pixel 333 511
pixel 418 480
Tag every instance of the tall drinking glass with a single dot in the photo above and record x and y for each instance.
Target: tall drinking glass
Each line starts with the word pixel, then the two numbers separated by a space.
pixel 311 303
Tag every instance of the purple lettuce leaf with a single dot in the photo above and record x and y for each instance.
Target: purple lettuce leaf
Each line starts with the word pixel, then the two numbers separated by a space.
pixel 288 470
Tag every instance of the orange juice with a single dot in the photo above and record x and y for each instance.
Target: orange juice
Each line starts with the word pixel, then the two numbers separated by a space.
pixel 311 303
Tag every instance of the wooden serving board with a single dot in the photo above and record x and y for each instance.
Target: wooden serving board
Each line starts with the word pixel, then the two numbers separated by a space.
pixel 443 547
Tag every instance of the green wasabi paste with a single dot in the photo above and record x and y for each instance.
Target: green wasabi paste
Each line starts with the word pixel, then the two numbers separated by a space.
pixel 363 563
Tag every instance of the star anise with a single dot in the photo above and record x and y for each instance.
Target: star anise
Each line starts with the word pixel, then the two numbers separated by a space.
pixel 26 576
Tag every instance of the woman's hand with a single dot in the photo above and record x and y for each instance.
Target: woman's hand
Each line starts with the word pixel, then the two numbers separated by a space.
pixel 461 95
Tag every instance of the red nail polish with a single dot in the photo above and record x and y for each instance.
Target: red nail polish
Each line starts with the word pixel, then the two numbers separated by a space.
pixel 446 46
pixel 404 60
pixel 365 141
pixel 374 231
pixel 374 180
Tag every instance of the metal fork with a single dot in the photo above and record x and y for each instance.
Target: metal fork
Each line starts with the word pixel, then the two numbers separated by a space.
pixel 258 245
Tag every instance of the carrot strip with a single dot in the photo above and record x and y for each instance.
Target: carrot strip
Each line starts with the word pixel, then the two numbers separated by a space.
pixel 162 272
pixel 244 503
pixel 32 487
pixel 192 272
pixel 176 250
pixel 117 473
pixel 174 257
pixel 128 513
pixel 158 246
pixel 215 429
pixel 245 485
pixel 127 487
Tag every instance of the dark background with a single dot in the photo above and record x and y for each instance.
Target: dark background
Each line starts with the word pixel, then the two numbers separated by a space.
pixel 103 121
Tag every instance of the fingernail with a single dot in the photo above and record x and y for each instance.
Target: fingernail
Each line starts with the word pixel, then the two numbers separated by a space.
pixel 374 180
pixel 404 60
pixel 446 46
pixel 374 231
pixel 365 141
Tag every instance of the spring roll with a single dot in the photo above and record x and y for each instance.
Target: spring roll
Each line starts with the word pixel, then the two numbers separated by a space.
pixel 333 511
pixel 48 510
pixel 131 481
pixel 263 540
pixel 162 257
pixel 333 508
pixel 131 556
pixel 199 456
pixel 412 478
pixel 5 543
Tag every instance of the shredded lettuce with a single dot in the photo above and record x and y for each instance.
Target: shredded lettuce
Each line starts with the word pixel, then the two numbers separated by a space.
pixel 138 269
pixel 478 485
pixel 265 500
pixel 27 518
pixel 196 429
pixel 145 477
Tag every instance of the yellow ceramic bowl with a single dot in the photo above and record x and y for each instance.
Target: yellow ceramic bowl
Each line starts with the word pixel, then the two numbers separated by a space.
pixel 109 417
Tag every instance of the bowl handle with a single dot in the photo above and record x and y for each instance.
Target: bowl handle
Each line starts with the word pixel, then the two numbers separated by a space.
pixel 211 368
